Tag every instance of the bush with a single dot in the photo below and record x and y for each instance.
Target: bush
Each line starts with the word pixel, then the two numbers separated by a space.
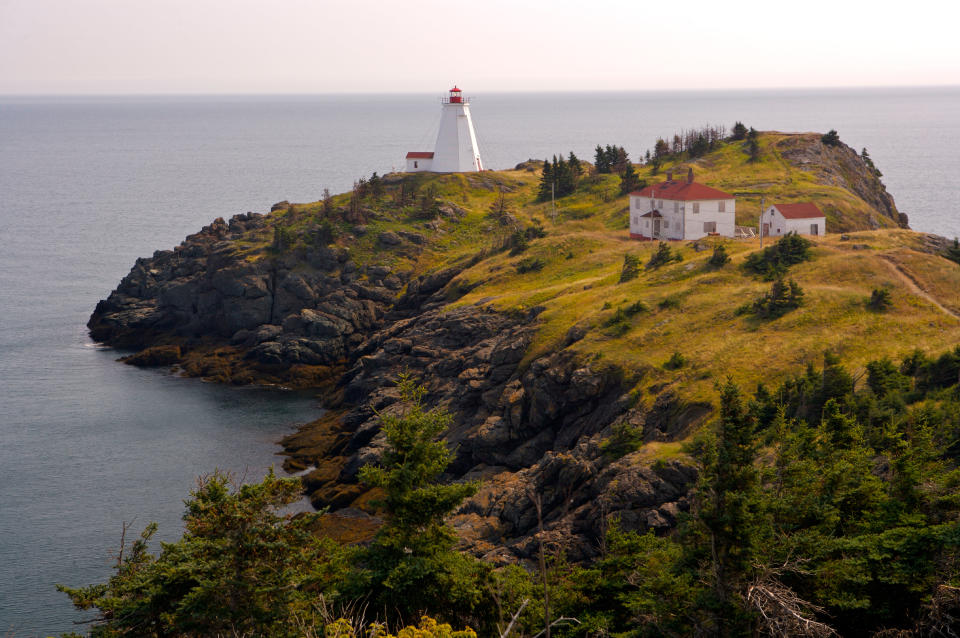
pixel 831 138
pixel 673 301
pixel 782 298
pixel 663 256
pixel 880 300
pixel 719 258
pixel 772 262
pixel 530 264
pixel 953 252
pixel 675 362
pixel 631 268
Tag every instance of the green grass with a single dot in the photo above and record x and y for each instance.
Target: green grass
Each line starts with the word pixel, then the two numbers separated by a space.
pixel 690 308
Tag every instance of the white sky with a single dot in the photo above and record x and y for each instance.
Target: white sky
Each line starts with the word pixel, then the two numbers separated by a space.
pixel 325 46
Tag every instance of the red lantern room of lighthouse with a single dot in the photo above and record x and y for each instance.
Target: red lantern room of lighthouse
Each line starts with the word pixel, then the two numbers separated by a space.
pixel 456 96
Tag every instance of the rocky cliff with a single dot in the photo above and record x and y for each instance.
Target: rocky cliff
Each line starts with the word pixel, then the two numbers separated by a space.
pixel 515 321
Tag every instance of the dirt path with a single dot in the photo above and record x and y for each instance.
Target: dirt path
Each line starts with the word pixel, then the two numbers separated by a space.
pixel 901 273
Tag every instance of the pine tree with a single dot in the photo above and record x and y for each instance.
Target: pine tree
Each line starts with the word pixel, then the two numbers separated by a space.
pixel 728 509
pixel 546 182
pixel 739 131
pixel 600 160
pixel 576 169
pixel 629 180
pixel 412 565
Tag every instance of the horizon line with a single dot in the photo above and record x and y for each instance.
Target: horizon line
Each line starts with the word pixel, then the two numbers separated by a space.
pixel 492 91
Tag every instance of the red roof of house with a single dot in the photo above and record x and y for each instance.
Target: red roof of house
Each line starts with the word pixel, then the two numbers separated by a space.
pixel 420 155
pixel 681 190
pixel 804 210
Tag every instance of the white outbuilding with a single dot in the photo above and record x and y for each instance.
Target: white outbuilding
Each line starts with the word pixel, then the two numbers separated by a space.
pixel 681 210
pixel 803 218
pixel 455 150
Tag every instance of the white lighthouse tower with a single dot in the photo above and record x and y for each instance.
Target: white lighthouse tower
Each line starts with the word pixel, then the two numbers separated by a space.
pixel 456 149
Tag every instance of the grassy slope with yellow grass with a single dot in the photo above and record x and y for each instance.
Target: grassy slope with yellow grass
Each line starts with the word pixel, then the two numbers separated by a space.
pixel 587 239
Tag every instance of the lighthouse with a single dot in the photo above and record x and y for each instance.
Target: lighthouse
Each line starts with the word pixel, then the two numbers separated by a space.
pixel 456 148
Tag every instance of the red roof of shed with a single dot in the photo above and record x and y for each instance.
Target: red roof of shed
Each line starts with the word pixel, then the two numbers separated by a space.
pixel 804 210
pixel 420 155
pixel 681 190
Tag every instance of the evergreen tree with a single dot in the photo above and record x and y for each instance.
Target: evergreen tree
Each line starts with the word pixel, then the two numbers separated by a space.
pixel 600 160
pixel 753 144
pixel 629 180
pixel 412 566
pixel 576 169
pixel 563 176
pixel 728 510
pixel 831 138
pixel 239 569
pixel 739 132
pixel 546 182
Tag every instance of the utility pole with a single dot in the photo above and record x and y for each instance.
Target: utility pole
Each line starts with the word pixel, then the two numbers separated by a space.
pixel 763 206
pixel 553 206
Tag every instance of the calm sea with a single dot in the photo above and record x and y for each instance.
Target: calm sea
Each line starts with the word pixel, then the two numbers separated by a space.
pixel 89 185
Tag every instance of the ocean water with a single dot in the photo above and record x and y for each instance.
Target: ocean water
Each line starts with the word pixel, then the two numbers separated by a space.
pixel 88 185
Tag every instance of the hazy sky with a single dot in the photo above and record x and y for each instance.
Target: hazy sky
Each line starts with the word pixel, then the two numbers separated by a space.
pixel 321 46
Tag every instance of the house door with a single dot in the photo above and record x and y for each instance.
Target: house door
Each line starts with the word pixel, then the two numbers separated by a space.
pixel 814 228
pixel 766 230
pixel 656 228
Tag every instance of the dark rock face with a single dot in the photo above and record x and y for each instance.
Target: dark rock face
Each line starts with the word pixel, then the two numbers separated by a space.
pixel 842 166
pixel 290 309
pixel 528 428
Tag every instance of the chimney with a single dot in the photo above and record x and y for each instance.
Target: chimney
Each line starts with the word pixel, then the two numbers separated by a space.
pixel 669 176
pixel 690 175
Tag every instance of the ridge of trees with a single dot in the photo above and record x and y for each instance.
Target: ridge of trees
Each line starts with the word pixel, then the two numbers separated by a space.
pixel 824 507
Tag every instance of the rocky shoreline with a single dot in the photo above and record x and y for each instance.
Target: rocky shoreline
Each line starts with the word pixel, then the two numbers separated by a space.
pixel 305 319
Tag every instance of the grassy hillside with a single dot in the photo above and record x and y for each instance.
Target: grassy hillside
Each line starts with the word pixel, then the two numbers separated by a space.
pixel 689 308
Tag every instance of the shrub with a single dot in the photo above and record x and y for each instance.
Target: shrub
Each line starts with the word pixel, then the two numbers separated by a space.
pixel 719 258
pixel 673 301
pixel 953 252
pixel 530 264
pixel 631 268
pixel 663 256
pixel 675 362
pixel 782 298
pixel 772 262
pixel 880 300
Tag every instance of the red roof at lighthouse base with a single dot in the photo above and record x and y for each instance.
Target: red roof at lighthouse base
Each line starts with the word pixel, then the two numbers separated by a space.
pixel 420 155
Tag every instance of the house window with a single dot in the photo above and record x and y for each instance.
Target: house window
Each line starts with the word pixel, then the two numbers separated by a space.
pixel 415 164
pixel 814 229
pixel 709 227
pixel 646 223
pixel 722 207
pixel 676 207
pixel 660 204
pixel 666 223
pixel 636 220
pixel 696 208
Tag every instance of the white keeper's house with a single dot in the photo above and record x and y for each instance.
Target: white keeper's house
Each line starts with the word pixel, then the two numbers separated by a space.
pixel 681 210
pixel 803 218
